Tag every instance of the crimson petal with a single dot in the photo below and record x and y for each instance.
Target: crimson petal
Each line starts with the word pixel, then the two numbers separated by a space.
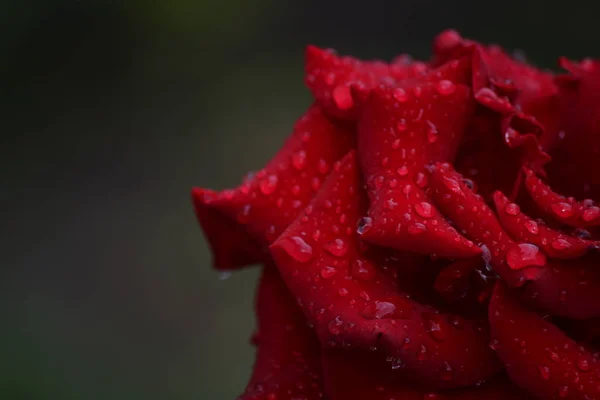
pixel 523 228
pixel 288 358
pixel 469 212
pixel 578 214
pixel 537 355
pixel 360 375
pixel 342 84
pixel 579 132
pixel 567 288
pixel 400 132
pixel 357 310
pixel 267 202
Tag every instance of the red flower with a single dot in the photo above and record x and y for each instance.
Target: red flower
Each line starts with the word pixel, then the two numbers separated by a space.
pixel 428 231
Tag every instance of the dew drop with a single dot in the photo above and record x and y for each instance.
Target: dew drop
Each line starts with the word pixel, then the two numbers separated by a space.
pixel 445 87
pixel 402 171
pixel 421 180
pixel 362 270
pixel 544 372
pixel 435 326
pixel 337 248
pixel 590 214
pixel 525 255
pixel 560 244
pixel 400 95
pixel 299 160
pixel 335 326
pixel 328 272
pixel 268 185
pixel 563 392
pixel 512 209
pixel 532 227
pixel 401 125
pixel 424 209
pixel 583 365
pixel 364 225
pixel 446 372
pixel 562 209
pixel 422 353
pixel 452 184
pixel 432 133
pixel 343 292
pixel 297 248
pixel 379 310
pixel 416 229
pixel 323 167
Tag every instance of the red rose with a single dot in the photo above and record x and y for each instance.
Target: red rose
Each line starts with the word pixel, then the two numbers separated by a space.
pixel 428 231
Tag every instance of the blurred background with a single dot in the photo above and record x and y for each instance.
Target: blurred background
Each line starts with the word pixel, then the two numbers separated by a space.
pixel 112 110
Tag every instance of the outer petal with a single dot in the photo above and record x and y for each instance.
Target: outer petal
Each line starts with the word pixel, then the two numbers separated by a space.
pixel 359 375
pixel 476 219
pixel 537 355
pixel 268 201
pixel 567 288
pixel 400 132
pixel 231 247
pixel 564 209
pixel 580 132
pixel 342 84
pixel 288 360
pixel 355 305
pixel 554 243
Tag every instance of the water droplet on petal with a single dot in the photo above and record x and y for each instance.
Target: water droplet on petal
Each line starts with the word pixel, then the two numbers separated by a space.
pixel 362 270
pixel 435 326
pixel 525 255
pixel 268 185
pixel 512 209
pixel 452 184
pixel 297 248
pixel 299 160
pixel 560 244
pixel 422 353
pixel 590 214
pixel 416 229
pixel 402 171
pixel 583 365
pixel 401 125
pixel 337 248
pixel 328 272
pixel 364 225
pixel 562 209
pixel 532 227
pixel 335 326
pixel 424 209
pixel 563 392
pixel 445 87
pixel 544 372
pixel 379 310
pixel 446 372
pixel 400 95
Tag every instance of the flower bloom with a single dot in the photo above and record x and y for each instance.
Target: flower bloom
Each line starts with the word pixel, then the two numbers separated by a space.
pixel 427 231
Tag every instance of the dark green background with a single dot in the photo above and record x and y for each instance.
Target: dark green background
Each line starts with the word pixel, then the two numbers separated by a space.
pixel 112 110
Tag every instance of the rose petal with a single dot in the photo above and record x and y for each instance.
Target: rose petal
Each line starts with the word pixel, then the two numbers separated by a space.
pixel 341 84
pixel 466 284
pixel 400 132
pixel 469 212
pixel 578 214
pixel 523 228
pixel 366 310
pixel 537 355
pixel 567 288
pixel 287 361
pixel 579 132
pixel 230 245
pixel 266 203
pixel 360 375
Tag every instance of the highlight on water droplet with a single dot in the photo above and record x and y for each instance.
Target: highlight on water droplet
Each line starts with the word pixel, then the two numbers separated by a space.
pixel 362 270
pixel 328 272
pixel 525 255
pixel 337 248
pixel 562 209
pixel 512 209
pixel 268 185
pixel 424 209
pixel 445 87
pixel 364 225
pixel 378 310
pixel 532 227
pixel 544 372
pixel 299 160
pixel 297 248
